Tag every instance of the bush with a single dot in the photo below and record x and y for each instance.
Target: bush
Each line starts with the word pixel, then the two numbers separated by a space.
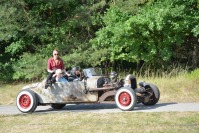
pixel 30 67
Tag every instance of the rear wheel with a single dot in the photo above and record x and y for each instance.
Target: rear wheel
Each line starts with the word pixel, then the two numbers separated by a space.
pixel 155 95
pixel 57 106
pixel 27 101
pixel 125 99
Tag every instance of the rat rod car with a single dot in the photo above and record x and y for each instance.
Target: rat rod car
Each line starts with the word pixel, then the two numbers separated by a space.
pixel 94 88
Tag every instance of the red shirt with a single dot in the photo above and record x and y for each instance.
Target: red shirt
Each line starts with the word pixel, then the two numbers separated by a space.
pixel 52 64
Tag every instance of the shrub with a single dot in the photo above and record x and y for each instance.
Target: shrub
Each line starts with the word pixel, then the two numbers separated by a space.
pixel 30 67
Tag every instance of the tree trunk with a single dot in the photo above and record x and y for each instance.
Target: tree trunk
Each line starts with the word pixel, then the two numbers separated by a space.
pixel 195 55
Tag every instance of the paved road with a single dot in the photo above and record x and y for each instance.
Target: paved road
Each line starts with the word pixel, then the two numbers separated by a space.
pixel 108 108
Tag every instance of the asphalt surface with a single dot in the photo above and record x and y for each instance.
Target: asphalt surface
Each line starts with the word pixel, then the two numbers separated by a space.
pixel 107 108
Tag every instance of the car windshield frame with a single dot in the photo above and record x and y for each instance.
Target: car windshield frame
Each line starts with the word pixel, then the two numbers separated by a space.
pixel 96 71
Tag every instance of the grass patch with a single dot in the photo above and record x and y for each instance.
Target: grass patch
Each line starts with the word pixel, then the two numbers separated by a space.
pixel 8 93
pixel 181 87
pixel 127 122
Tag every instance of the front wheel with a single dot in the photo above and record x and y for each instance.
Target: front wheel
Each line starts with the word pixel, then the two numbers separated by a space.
pixel 155 95
pixel 125 99
pixel 26 101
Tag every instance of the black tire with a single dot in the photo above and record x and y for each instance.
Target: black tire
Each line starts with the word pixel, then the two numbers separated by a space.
pixel 27 101
pixel 155 97
pixel 57 106
pixel 125 98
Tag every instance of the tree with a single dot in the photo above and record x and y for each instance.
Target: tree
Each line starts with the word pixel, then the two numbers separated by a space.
pixel 36 27
pixel 153 34
pixel 96 33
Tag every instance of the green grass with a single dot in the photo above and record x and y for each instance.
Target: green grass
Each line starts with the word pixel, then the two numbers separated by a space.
pixel 181 87
pixel 128 122
pixel 8 93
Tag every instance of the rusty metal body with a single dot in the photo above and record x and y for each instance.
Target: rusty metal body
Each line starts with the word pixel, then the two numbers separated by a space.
pixel 85 91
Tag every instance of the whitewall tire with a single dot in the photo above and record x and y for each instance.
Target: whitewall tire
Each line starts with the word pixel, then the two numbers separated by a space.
pixel 26 101
pixel 125 98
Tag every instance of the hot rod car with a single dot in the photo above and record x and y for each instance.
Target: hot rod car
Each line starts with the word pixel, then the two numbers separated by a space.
pixel 94 88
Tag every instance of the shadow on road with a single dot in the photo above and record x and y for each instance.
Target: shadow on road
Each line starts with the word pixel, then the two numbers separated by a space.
pixel 153 107
pixel 79 108
pixel 99 107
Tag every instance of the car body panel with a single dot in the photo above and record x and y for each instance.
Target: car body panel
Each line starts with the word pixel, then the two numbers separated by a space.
pixel 70 92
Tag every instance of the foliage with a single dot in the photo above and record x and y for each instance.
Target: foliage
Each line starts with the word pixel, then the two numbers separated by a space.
pixel 152 35
pixel 30 67
pixel 96 33
pixel 88 58
pixel 37 27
